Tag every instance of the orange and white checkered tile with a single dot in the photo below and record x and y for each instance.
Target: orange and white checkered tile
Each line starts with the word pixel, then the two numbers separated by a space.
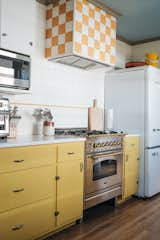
pixel 92 30
pixel 95 33
pixel 59 28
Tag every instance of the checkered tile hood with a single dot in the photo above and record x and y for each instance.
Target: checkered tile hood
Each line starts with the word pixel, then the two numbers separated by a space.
pixel 77 27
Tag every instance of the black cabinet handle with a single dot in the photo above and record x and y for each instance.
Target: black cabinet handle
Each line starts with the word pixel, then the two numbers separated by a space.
pixel 17 227
pixel 70 153
pixel 18 190
pixel 18 161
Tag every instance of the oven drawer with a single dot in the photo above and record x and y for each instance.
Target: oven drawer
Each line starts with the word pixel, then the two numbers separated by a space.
pixel 19 158
pixel 70 151
pixel 102 197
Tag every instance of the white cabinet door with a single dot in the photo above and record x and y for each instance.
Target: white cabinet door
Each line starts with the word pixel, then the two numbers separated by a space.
pixel 17 25
pixel 152 172
pixel 153 129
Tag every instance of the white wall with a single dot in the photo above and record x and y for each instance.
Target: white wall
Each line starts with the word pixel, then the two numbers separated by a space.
pixel 58 85
pixel 123 53
pixel 139 51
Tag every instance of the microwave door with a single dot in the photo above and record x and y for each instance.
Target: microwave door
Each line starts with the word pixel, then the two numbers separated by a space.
pixel 6 76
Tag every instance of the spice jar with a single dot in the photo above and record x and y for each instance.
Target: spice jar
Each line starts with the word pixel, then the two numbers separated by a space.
pixel 48 128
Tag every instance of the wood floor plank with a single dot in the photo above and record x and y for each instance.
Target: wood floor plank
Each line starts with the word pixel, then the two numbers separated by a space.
pixel 137 219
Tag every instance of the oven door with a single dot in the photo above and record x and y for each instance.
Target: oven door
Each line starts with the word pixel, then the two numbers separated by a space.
pixel 103 172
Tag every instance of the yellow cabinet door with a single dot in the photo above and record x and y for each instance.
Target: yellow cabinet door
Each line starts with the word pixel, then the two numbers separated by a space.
pixel 24 187
pixel 20 158
pixel 131 155
pixel 69 192
pixel 28 222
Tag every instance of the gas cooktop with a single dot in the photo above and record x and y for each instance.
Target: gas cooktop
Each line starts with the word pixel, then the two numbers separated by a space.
pixel 82 132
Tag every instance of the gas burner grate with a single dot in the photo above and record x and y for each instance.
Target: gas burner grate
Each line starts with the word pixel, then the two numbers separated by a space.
pixel 81 132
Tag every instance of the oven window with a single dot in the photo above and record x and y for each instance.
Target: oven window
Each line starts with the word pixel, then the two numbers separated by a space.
pixel 105 168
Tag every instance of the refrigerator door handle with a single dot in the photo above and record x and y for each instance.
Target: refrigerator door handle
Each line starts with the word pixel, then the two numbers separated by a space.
pixel 156 130
pixel 155 154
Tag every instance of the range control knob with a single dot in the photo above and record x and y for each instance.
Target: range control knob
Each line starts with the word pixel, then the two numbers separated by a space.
pixel 95 145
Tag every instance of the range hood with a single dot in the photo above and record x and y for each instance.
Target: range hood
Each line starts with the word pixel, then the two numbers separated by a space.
pixel 80 34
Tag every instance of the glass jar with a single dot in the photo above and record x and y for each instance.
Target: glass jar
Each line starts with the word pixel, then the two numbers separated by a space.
pixel 48 128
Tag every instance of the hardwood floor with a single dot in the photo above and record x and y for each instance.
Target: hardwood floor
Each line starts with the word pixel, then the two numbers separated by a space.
pixel 135 220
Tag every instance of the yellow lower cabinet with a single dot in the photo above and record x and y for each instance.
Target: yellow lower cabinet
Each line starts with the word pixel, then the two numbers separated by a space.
pixel 20 158
pixel 131 165
pixel 69 192
pixel 24 187
pixel 29 222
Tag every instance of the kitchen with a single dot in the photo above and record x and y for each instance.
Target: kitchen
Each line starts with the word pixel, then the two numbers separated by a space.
pixel 67 92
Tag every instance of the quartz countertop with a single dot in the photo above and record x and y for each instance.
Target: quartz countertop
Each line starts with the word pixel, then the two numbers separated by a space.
pixel 39 140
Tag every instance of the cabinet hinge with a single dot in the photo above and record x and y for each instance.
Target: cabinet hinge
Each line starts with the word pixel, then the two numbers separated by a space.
pixel 137 182
pixel 138 158
pixel 56 213
pixel 57 178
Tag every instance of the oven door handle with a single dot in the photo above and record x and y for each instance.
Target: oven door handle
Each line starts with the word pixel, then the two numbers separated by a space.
pixel 106 155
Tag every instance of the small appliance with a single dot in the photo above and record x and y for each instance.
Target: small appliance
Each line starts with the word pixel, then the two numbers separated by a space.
pixel 14 70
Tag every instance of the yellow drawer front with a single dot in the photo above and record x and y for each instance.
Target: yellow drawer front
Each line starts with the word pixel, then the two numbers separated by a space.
pixel 23 187
pixel 13 159
pixel 70 151
pixel 28 222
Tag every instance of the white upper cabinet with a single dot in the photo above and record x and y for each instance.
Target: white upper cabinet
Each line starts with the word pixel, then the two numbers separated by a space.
pixel 17 19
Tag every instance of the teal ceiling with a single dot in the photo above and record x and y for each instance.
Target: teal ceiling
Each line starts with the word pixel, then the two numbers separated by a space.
pixel 140 19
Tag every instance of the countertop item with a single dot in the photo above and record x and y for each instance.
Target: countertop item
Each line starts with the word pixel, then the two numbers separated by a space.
pixel 39 140
pixel 95 118
pixel 135 64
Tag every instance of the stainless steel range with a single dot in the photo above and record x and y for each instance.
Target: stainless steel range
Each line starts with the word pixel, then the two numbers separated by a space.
pixel 103 165
pixel 103 168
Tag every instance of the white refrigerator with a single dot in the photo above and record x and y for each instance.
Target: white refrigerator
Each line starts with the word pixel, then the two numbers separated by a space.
pixel 134 97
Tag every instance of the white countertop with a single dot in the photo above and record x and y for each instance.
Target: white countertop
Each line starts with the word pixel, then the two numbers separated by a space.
pixel 38 140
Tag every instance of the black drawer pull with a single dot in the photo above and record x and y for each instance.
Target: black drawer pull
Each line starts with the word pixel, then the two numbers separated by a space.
pixel 18 161
pixel 18 190
pixel 17 227
pixel 71 153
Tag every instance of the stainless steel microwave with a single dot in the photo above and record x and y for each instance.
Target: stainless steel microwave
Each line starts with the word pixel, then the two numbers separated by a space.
pixel 14 70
